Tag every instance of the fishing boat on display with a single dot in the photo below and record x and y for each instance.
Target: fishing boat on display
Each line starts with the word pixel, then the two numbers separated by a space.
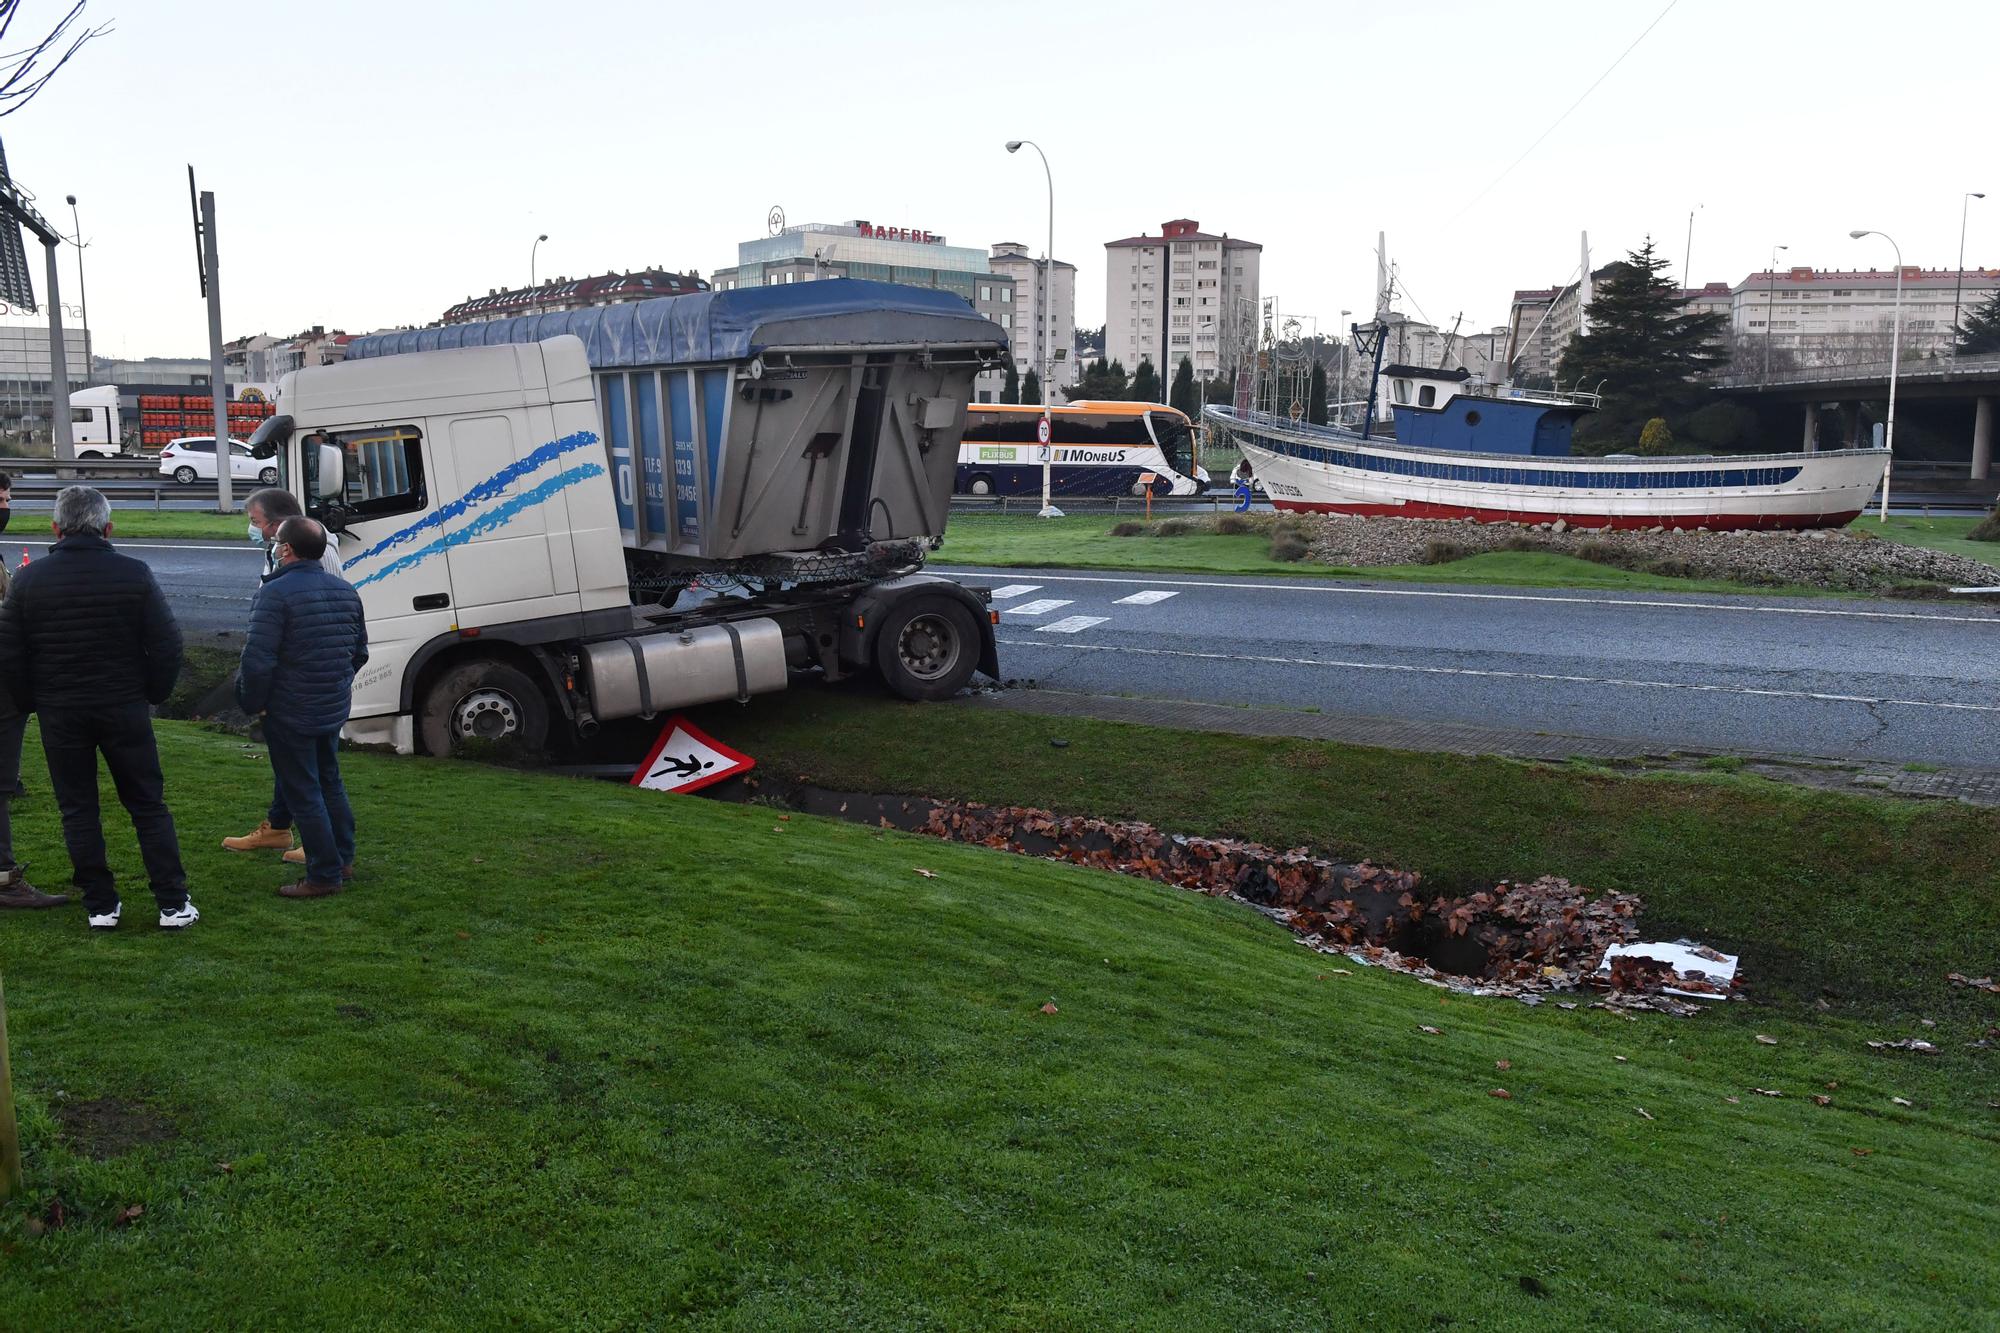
pixel 1497 453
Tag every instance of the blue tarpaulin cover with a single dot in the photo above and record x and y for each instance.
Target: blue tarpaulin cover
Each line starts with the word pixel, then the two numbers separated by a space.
pixel 706 327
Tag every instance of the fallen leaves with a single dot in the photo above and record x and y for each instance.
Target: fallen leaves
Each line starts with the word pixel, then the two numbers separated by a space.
pixel 1050 1008
pixel 1503 1064
pixel 1425 1027
pixel 1733 1101
pixel 128 1216
pixel 1976 983
pixel 1767 1092
pixel 927 874
pixel 1906 1044
pixel 1502 1094
pixel 1763 1040
pixel 1862 1152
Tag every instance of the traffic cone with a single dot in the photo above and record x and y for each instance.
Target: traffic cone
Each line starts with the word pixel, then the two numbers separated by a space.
pixel 24 557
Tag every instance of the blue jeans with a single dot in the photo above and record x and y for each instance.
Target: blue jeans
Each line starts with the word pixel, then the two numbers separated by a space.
pixel 308 773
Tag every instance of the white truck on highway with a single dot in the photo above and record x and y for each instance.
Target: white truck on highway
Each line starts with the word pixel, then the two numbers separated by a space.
pixel 560 520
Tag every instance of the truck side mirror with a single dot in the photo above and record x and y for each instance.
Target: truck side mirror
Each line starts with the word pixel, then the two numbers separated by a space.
pixel 332 479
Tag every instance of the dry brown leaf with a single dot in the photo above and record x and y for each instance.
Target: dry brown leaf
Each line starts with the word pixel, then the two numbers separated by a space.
pixel 1862 1152
pixel 1763 1040
pixel 927 874
pixel 1767 1092
pixel 1644 1114
pixel 1832 1084
pixel 1502 1094
pixel 1425 1027
pixel 1050 1007
pixel 1503 1064
pixel 129 1215
pixel 226 1168
pixel 1821 1099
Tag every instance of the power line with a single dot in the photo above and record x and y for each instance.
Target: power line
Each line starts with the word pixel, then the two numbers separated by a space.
pixel 1566 114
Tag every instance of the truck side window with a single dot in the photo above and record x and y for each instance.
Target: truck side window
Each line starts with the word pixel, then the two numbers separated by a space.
pixel 385 470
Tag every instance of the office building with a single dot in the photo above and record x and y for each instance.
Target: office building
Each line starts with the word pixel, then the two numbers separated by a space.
pixel 25 395
pixel 1184 293
pixel 1814 317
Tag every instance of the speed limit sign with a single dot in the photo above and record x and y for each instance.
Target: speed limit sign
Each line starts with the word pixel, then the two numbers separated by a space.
pixel 1042 430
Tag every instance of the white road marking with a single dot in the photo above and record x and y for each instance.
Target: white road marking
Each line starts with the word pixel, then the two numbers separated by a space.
pixel 244 548
pixel 1506 675
pixel 1147 598
pixel 1041 607
pixel 1071 624
pixel 1014 590
pixel 1763 608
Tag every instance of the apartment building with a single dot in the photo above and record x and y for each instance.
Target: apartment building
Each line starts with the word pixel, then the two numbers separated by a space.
pixel 1183 293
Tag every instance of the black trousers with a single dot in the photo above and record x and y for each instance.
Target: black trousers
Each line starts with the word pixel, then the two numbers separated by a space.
pixel 72 738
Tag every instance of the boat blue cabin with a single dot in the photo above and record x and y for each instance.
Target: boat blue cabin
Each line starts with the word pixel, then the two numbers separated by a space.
pixel 1445 409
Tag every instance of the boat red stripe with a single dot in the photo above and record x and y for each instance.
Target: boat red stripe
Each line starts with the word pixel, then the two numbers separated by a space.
pixel 1713 522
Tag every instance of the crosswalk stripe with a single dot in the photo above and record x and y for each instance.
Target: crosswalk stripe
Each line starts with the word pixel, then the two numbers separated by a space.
pixel 1042 607
pixel 1014 590
pixel 1070 624
pixel 1147 598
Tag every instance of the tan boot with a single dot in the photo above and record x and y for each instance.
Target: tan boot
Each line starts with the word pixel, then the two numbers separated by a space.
pixel 264 838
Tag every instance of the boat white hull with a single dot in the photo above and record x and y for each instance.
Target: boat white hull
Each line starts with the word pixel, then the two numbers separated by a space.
pixel 1327 470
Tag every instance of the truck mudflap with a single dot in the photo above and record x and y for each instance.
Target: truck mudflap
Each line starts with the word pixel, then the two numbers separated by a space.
pixel 867 612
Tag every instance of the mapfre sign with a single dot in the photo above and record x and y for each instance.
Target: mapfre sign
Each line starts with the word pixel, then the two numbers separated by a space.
pixel 916 234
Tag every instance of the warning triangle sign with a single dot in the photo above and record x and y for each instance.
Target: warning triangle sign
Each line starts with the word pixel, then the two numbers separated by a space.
pixel 686 759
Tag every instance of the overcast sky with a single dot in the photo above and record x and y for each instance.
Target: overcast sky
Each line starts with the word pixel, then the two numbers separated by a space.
pixel 375 162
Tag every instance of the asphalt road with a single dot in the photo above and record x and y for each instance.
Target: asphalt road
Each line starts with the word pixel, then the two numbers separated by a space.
pixel 1896 681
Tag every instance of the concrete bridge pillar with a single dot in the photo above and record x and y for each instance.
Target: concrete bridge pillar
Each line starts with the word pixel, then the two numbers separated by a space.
pixel 1812 428
pixel 1854 424
pixel 1982 440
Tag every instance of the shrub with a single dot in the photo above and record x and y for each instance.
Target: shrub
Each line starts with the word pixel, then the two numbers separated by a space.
pixel 1655 438
pixel 1234 525
pixel 1722 425
pixel 1599 551
pixel 1288 544
pixel 1128 529
pixel 1175 527
pixel 1987 529
pixel 1443 552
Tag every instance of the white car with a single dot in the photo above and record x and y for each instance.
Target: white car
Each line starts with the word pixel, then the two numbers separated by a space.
pixel 192 459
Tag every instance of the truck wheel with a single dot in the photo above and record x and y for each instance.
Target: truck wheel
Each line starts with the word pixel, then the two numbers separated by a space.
pixel 487 704
pixel 184 475
pixel 981 485
pixel 928 648
pixel 268 477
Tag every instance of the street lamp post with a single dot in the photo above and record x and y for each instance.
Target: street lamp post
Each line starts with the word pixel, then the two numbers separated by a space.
pixel 1770 290
pixel 1895 362
pixel 1958 278
pixel 531 259
pixel 1340 394
pixel 1049 509
pixel 83 295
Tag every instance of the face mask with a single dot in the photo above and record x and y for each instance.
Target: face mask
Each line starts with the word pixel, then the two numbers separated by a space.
pixel 256 533
pixel 5 514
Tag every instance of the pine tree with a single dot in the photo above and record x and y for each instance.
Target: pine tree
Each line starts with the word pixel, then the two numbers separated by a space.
pixel 1145 384
pixel 1098 383
pixel 1979 331
pixel 1010 392
pixel 1182 395
pixel 1031 388
pixel 1316 395
pixel 1646 353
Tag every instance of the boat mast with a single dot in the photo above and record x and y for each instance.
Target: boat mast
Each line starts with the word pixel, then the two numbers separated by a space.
pixel 1381 331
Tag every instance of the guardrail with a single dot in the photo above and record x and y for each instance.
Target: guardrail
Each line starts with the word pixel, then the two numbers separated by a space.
pixel 1214 502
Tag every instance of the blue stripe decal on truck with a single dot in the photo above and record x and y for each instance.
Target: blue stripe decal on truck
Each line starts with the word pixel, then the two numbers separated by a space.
pixel 485 490
pixel 497 517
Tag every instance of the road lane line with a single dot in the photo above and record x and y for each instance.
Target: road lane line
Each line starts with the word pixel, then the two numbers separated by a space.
pixel 1070 624
pixel 1504 675
pixel 1037 608
pixel 1760 609
pixel 242 548
pixel 1147 598
pixel 1014 590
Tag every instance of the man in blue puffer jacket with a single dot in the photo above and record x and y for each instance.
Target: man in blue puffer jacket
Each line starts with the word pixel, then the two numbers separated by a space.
pixel 307 639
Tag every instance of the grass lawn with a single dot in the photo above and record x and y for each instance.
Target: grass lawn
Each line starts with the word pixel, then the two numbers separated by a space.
pixel 575 1055
pixel 143 522
pixel 1938 534
pixel 1085 542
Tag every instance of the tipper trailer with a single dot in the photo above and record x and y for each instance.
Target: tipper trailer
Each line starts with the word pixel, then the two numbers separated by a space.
pixel 560 520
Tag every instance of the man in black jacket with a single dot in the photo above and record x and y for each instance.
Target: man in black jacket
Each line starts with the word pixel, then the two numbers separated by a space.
pixel 87 642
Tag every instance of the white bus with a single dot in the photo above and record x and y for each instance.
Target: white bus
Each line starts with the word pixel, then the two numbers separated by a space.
pixel 1098 449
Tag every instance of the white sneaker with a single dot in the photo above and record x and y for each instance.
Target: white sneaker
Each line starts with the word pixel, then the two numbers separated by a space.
pixel 106 920
pixel 181 918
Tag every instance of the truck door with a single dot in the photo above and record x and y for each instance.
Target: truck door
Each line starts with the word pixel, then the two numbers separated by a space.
pixel 505 558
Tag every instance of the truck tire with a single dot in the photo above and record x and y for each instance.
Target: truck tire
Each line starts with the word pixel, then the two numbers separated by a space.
pixel 184 475
pixel 928 648
pixel 485 703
